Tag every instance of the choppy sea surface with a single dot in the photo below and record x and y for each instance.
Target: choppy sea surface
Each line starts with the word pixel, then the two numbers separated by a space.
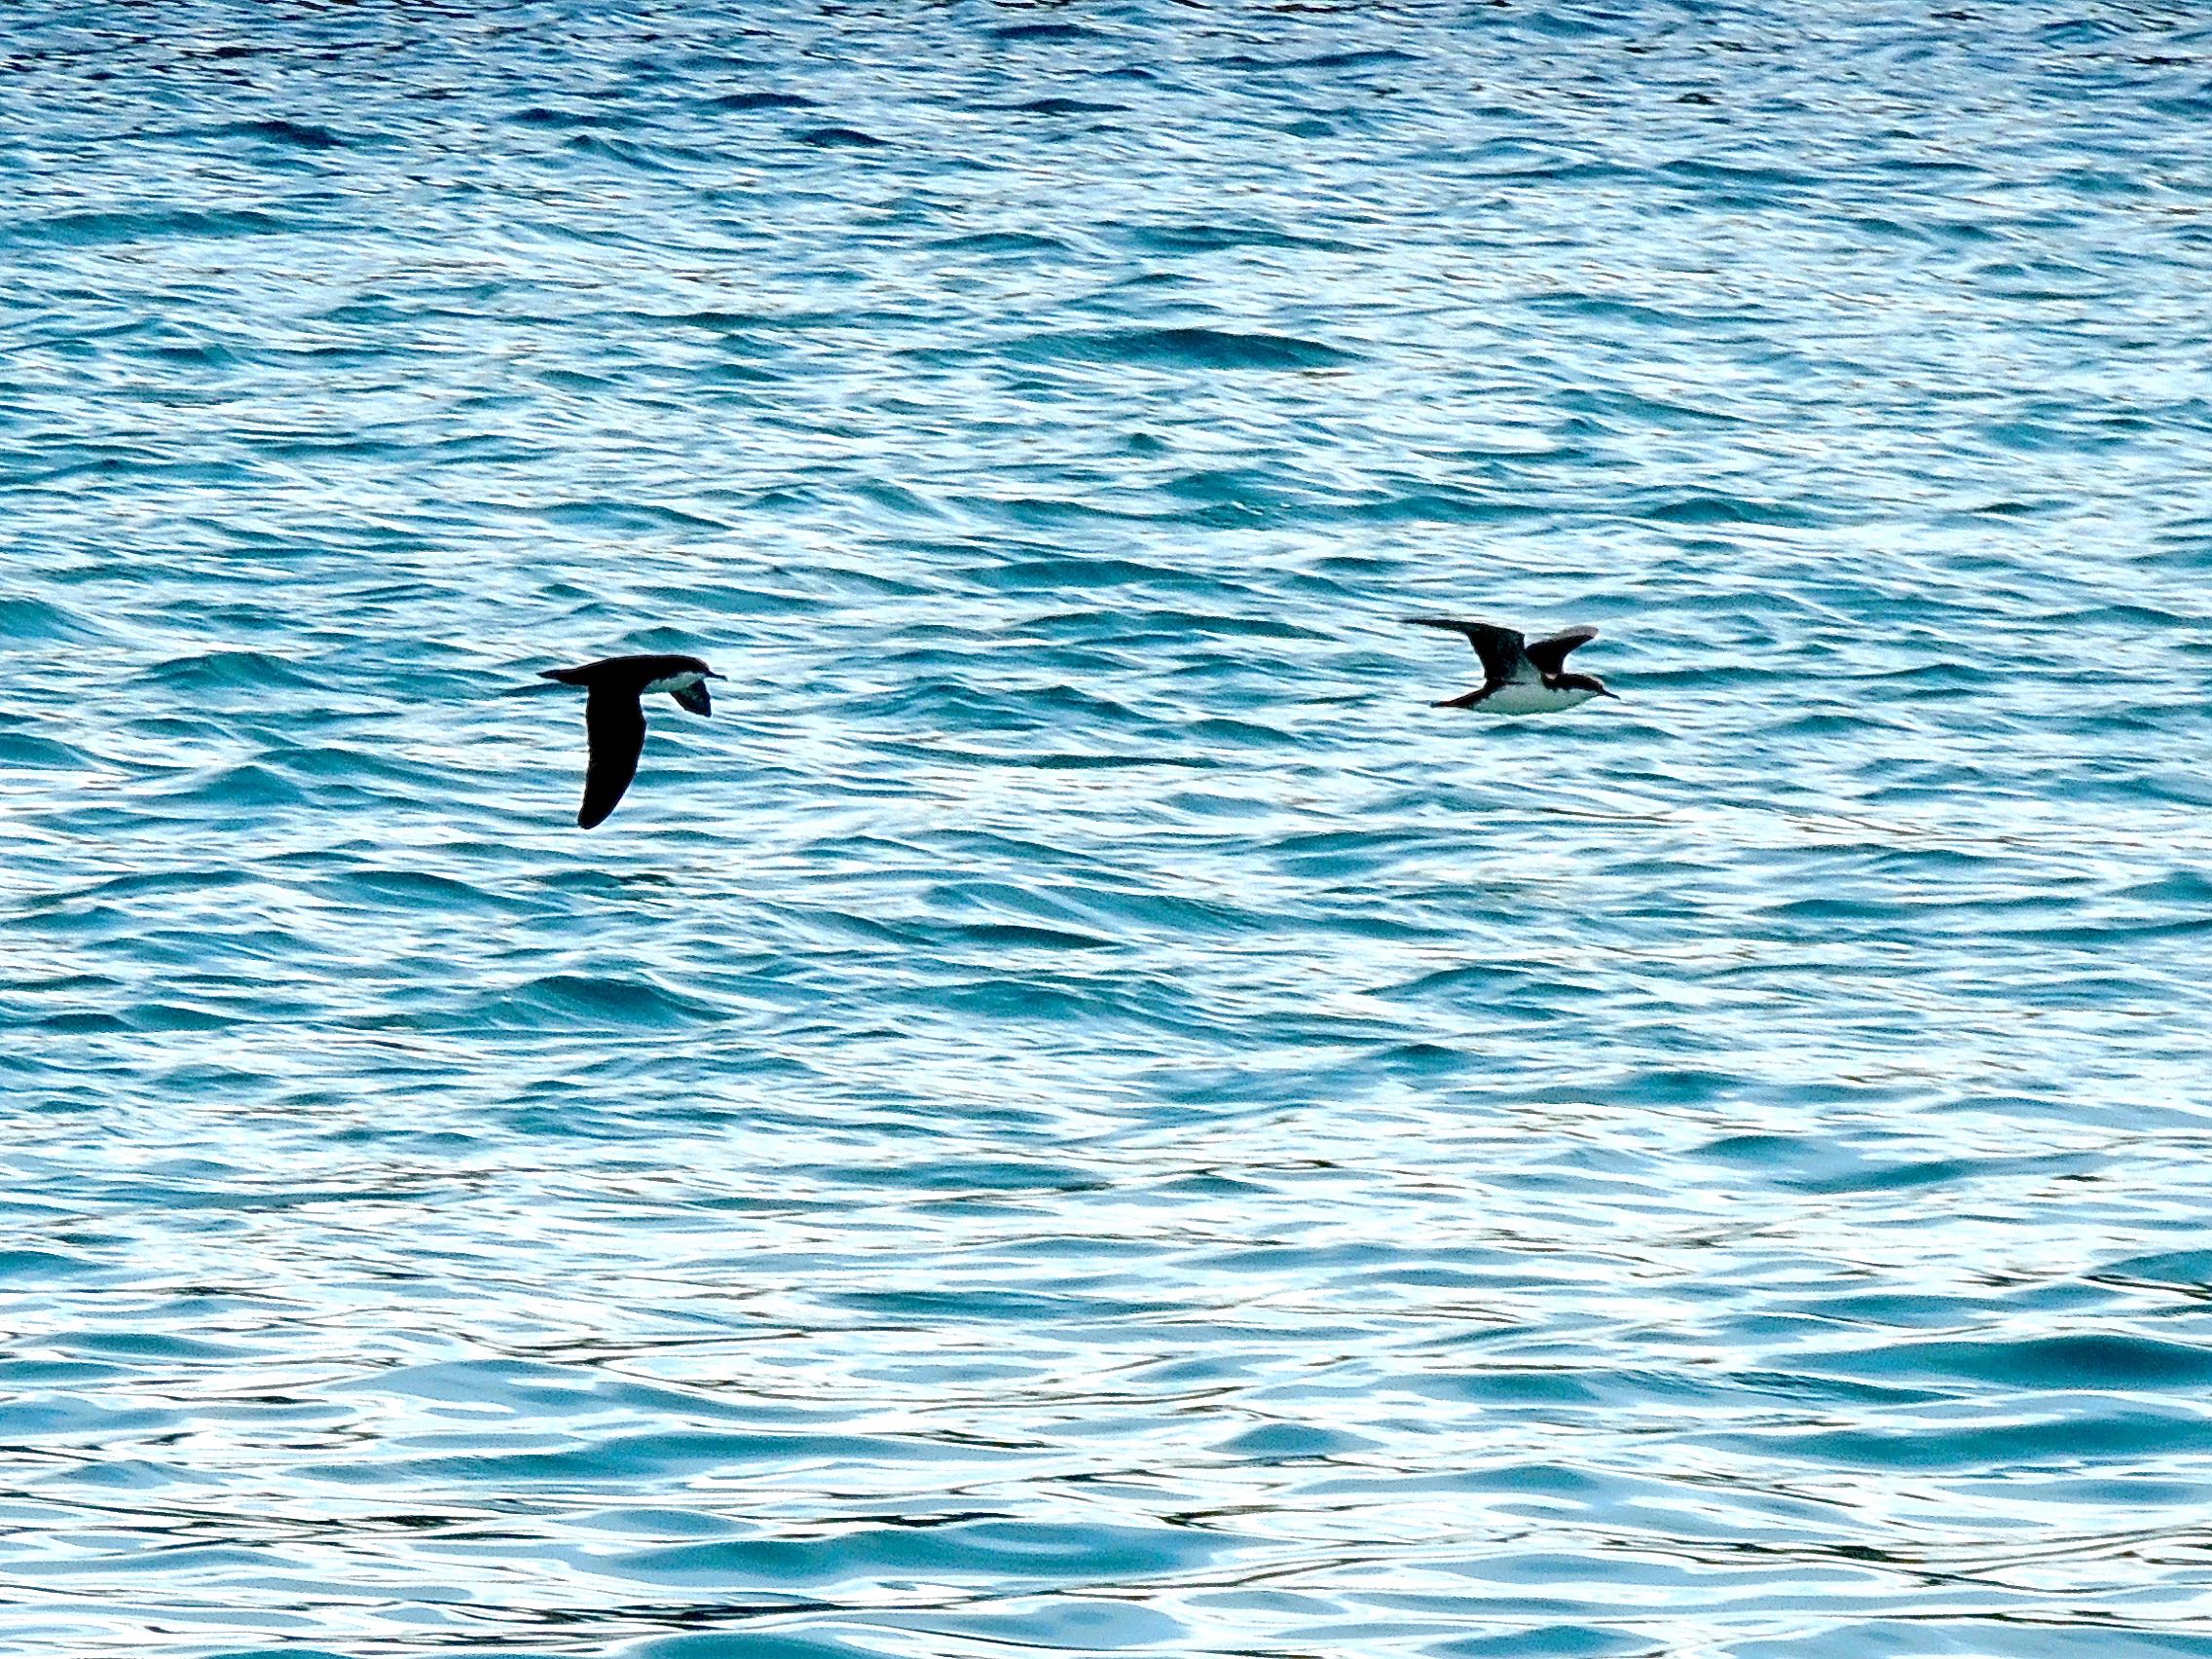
pixel 1078 1114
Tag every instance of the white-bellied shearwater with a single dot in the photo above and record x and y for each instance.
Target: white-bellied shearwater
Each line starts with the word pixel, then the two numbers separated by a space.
pixel 1518 678
pixel 616 723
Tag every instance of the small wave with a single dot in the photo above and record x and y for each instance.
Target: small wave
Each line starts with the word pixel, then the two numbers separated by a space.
pixel 425 890
pixel 36 754
pixel 22 617
pixel 582 1001
pixel 250 784
pixel 229 668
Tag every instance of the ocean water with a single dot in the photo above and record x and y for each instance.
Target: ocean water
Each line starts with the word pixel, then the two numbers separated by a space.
pixel 1078 1114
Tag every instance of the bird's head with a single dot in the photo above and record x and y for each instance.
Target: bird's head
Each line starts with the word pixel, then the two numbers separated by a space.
pixel 1589 683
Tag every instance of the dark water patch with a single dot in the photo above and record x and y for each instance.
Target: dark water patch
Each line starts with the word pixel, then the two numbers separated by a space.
pixel 1480 978
pixel 1705 171
pixel 750 1644
pixel 291 135
pixel 147 1344
pixel 1080 574
pixel 1706 508
pixel 737 327
pixel 1589 307
pixel 1197 238
pixel 638 516
pixel 1153 625
pixel 654 158
pixel 1070 760
pixel 539 1389
pixel 760 100
pixel 24 1267
pixel 2064 1441
pixel 1055 31
pixel 1180 347
pixel 840 138
pixel 2189 1268
pixel 95 229
pixel 213 878
pixel 1063 106
pixel 1365 58
pixel 1001 1552
pixel 1003 242
pixel 1564 1640
pixel 1013 936
pixel 1437 506
pixel 1640 409
pixel 1031 999
pixel 1559 171
pixel 2120 1364
pixel 565 120
pixel 627 1462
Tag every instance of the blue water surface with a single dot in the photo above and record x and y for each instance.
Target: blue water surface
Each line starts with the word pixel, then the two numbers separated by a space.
pixel 1078 1114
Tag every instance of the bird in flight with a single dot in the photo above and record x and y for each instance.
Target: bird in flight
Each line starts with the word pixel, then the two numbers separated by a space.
pixel 615 722
pixel 1520 677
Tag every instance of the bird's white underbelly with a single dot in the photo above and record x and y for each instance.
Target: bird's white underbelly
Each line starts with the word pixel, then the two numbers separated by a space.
pixel 1528 697
pixel 674 683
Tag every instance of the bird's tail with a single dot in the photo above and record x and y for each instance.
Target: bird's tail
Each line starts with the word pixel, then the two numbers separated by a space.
pixel 566 676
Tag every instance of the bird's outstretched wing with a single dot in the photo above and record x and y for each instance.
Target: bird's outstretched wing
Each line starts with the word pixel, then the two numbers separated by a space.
pixel 694 697
pixel 1503 656
pixel 1550 656
pixel 616 726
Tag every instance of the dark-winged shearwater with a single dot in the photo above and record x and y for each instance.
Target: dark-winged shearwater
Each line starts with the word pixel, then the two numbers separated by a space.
pixel 1518 678
pixel 616 723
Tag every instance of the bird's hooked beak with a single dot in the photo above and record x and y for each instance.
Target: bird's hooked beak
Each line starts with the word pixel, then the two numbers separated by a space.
pixel 712 675
pixel 1614 695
